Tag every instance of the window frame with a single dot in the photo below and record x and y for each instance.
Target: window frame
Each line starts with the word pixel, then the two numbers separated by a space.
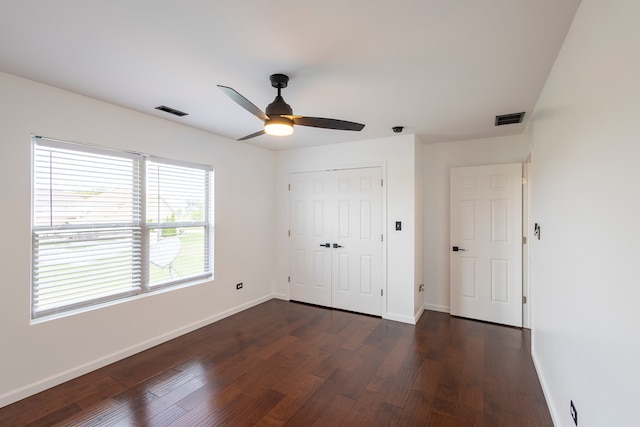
pixel 139 194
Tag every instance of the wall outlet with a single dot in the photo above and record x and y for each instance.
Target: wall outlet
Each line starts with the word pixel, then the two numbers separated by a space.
pixel 239 285
pixel 574 412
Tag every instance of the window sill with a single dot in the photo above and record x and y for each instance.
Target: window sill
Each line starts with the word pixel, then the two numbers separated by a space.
pixel 162 290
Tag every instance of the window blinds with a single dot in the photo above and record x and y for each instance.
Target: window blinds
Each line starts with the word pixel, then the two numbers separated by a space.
pixel 86 226
pixel 177 212
pixel 102 232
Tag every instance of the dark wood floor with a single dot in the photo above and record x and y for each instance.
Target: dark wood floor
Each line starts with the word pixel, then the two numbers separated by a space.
pixel 284 363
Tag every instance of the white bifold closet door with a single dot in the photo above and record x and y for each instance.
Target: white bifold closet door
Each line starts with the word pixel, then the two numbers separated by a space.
pixel 336 239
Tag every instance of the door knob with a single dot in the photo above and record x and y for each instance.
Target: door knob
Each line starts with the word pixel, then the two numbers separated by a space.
pixel 456 249
pixel 335 245
pixel 326 245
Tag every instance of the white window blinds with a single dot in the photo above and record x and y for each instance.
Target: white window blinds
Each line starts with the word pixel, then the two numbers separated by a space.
pixel 92 241
pixel 178 221
pixel 86 226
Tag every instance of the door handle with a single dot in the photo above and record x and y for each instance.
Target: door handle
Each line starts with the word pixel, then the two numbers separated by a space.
pixel 456 249
pixel 326 245
pixel 335 245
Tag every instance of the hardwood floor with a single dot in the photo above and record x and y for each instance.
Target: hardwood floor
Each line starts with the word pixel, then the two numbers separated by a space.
pixel 289 364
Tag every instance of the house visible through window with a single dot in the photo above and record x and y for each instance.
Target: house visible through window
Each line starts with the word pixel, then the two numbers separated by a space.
pixel 108 225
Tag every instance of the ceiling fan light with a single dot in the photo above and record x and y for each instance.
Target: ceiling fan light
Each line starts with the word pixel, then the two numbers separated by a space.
pixel 278 127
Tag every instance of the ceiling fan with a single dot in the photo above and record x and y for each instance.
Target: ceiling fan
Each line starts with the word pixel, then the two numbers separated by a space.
pixel 279 118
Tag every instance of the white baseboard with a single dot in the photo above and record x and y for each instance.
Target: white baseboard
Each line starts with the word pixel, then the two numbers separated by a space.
pixel 417 315
pixel 545 390
pixel 281 296
pixel 38 386
pixel 440 308
pixel 399 318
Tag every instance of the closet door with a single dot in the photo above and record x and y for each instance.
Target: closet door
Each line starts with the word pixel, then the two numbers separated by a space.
pixel 336 239
pixel 310 195
pixel 356 274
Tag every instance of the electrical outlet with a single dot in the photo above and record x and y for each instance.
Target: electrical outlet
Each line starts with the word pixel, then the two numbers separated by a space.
pixel 574 412
pixel 239 285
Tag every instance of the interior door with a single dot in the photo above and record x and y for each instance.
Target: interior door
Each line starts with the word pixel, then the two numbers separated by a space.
pixel 335 239
pixel 486 243
pixel 310 195
pixel 356 241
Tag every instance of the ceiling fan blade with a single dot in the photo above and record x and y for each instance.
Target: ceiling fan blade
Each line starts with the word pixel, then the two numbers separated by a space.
pixel 244 102
pixel 253 135
pixel 320 122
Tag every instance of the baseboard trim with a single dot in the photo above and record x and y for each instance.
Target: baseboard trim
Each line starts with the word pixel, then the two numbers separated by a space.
pixel 54 380
pixel 440 308
pixel 399 318
pixel 417 315
pixel 545 389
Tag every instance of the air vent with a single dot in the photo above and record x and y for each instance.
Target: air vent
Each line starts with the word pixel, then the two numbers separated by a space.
pixel 509 119
pixel 172 111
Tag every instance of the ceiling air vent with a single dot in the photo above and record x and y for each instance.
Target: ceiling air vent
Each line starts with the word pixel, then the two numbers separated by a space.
pixel 509 119
pixel 172 111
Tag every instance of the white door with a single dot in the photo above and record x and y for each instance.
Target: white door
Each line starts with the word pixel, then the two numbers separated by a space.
pixel 343 209
pixel 310 195
pixel 356 241
pixel 486 243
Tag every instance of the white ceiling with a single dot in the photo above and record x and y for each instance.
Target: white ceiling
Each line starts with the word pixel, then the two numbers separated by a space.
pixel 442 68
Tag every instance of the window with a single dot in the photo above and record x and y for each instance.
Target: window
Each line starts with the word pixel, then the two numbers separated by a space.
pixel 176 220
pixel 107 225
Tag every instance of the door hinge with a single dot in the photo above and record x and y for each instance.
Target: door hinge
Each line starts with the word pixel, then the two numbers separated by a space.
pixel 289 279
pixel 382 237
pixel 524 299
pixel 381 292
pixel 524 180
pixel 289 233
pixel 289 187
pixel 382 183
pixel 524 240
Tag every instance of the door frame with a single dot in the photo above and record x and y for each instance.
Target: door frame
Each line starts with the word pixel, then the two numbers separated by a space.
pixel 526 247
pixel 385 225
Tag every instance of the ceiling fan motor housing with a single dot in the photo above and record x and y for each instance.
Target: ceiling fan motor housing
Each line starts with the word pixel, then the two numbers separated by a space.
pixel 279 108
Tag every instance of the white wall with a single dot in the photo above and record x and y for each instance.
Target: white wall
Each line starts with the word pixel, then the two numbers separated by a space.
pixel 397 154
pixel 586 197
pixel 438 160
pixel 35 356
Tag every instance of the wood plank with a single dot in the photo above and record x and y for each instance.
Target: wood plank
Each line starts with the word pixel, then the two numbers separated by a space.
pixel 314 406
pixel 335 412
pixel 297 392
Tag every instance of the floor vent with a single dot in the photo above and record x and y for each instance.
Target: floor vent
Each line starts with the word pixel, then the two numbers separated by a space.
pixel 172 111
pixel 509 119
